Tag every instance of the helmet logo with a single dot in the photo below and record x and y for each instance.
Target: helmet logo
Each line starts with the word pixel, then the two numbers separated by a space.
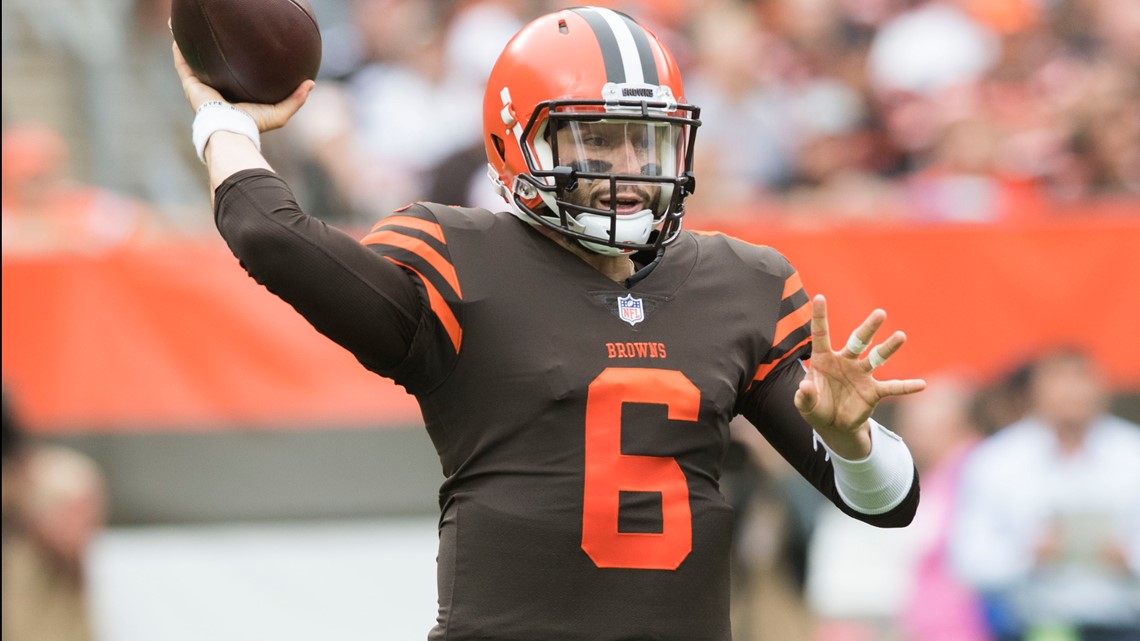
pixel 630 309
pixel 614 92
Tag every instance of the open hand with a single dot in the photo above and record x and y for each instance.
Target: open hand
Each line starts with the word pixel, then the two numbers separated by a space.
pixel 839 392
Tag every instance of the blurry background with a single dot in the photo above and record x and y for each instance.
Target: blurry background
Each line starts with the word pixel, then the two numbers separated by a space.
pixel 971 166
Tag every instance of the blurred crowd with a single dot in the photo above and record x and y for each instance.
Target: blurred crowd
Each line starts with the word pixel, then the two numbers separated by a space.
pixel 1028 528
pixel 814 111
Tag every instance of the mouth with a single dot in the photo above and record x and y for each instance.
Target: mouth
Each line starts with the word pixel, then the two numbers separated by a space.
pixel 625 204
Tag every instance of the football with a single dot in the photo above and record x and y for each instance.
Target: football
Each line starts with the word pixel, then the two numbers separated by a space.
pixel 249 50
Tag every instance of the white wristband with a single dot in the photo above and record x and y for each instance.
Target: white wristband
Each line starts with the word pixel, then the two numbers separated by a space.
pixel 879 482
pixel 214 116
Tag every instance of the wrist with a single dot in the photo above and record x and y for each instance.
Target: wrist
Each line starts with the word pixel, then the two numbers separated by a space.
pixel 851 446
pixel 214 116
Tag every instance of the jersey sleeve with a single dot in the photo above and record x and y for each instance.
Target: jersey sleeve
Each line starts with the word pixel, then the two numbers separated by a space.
pixel 791 338
pixel 768 403
pixel 364 303
pixel 414 240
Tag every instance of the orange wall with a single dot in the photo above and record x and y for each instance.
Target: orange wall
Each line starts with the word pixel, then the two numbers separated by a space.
pixel 178 337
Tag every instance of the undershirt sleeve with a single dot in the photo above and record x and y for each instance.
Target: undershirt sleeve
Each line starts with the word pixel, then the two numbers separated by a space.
pixel 348 292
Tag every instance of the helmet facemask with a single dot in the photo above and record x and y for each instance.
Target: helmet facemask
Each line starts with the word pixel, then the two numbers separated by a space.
pixel 608 173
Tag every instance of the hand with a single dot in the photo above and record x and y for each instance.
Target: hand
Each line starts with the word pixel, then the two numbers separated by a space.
pixel 838 392
pixel 267 117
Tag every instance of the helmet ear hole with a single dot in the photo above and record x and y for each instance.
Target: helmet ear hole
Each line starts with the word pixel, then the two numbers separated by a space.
pixel 500 146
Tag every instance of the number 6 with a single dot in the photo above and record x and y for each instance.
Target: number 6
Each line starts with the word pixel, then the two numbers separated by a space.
pixel 609 472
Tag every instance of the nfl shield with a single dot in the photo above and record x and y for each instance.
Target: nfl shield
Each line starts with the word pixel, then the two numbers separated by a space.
pixel 630 309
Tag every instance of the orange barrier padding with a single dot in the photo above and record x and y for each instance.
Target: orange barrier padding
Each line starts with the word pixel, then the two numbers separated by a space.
pixel 179 337
pixel 979 300
pixel 174 337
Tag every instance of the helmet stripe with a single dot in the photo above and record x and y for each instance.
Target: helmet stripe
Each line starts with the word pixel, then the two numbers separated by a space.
pixel 624 44
pixel 644 52
pixel 611 52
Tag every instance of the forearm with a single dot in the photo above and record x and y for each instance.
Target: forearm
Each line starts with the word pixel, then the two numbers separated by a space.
pixel 228 153
pixel 882 491
pixel 880 479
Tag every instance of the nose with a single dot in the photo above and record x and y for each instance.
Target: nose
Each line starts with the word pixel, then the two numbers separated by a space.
pixel 628 159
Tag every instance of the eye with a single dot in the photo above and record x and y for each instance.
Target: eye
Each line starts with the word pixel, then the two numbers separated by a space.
pixel 595 140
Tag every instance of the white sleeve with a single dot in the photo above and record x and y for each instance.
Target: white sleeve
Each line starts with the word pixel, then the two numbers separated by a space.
pixel 880 481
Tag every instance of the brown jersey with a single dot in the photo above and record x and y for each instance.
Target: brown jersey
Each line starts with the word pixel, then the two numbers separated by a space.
pixel 580 423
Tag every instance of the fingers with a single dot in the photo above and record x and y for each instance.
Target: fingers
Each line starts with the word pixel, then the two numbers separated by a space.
pixel 820 338
pixel 855 346
pixel 270 117
pixel 806 396
pixel 297 99
pixel 863 335
pixel 884 350
pixel 195 90
pixel 180 64
pixel 185 75
pixel 901 387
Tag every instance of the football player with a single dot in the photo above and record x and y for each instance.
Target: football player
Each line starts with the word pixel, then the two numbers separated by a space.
pixel 579 355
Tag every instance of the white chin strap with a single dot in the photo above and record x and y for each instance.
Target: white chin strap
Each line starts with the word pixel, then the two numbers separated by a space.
pixel 631 228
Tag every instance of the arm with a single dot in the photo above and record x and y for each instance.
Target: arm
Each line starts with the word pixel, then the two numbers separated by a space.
pixel 838 393
pixel 881 489
pixel 227 152
pixel 348 292
pixel 864 469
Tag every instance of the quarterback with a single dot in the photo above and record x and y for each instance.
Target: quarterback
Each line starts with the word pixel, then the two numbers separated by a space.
pixel 577 356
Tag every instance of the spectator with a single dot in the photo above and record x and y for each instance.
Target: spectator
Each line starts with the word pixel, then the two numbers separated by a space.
pixel 902 587
pixel 53 509
pixel 1048 522
pixel 835 179
pixel 748 148
pixel 939 427
pixel 395 114
pixel 45 210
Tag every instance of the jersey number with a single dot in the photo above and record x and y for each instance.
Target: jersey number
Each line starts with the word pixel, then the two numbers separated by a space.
pixel 609 472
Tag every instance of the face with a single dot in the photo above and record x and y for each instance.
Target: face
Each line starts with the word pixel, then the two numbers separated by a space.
pixel 1067 392
pixel 628 148
pixel 936 423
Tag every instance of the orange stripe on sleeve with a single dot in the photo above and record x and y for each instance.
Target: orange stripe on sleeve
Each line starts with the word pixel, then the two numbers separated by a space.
pixel 419 248
pixel 792 322
pixel 432 229
pixel 439 306
pixel 792 285
pixel 767 368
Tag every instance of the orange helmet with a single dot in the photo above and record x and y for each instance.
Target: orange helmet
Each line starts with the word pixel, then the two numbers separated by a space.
pixel 587 133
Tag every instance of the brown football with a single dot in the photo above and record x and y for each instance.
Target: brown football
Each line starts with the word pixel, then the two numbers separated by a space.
pixel 249 50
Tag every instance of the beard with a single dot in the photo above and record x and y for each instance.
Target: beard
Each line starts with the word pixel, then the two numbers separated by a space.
pixel 631 197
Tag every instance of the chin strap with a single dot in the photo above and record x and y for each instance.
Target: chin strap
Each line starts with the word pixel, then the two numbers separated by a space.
pixel 630 228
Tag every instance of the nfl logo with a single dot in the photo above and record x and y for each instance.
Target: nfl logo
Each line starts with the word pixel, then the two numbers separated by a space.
pixel 630 309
